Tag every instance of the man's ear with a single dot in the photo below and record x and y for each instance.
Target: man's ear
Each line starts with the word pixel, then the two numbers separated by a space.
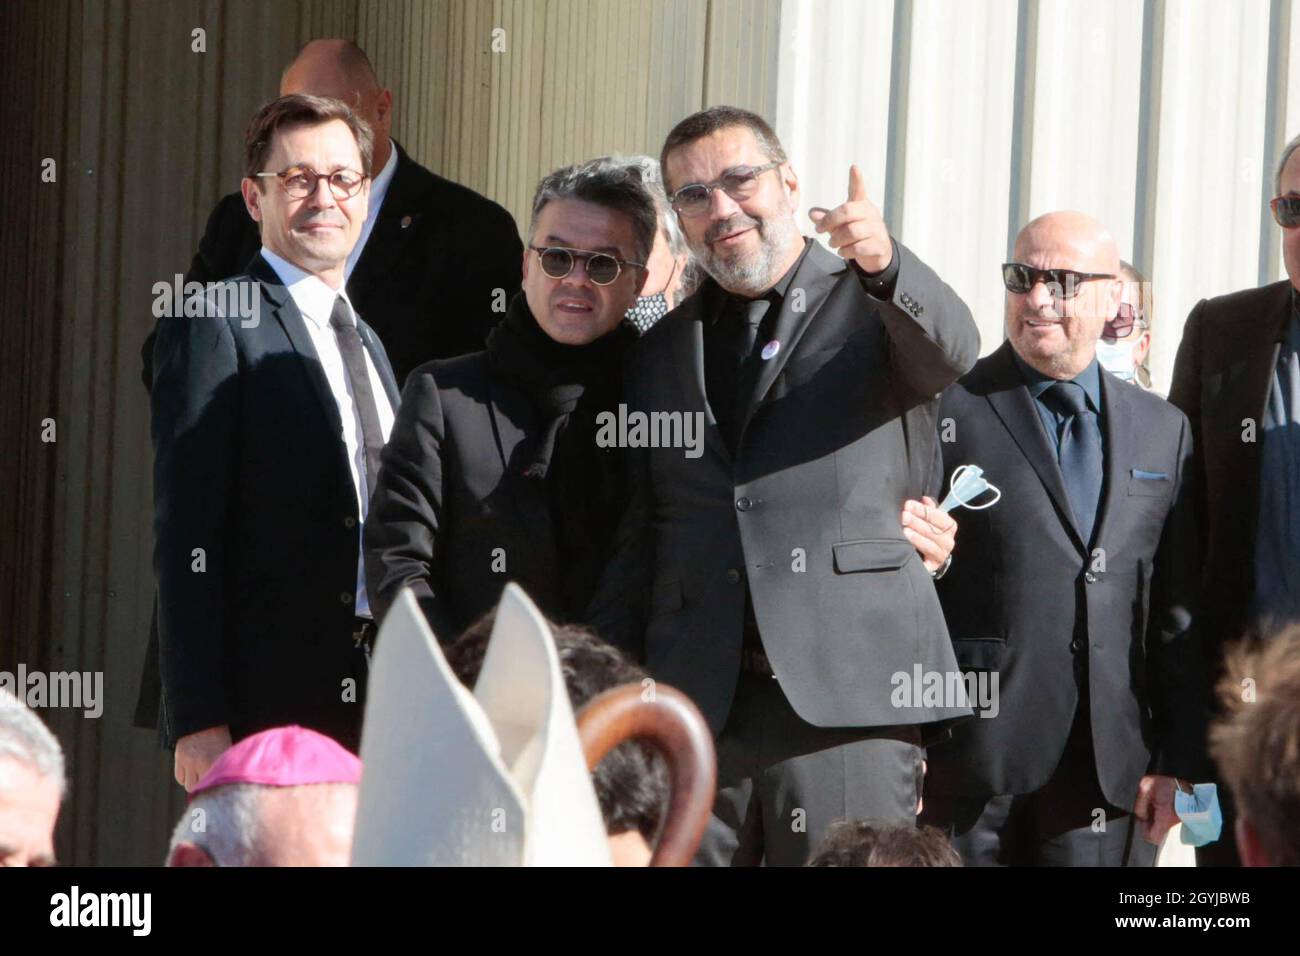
pixel 189 854
pixel 384 106
pixel 252 198
pixel 790 180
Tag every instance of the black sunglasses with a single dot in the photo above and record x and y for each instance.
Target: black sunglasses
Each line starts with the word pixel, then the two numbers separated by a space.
pixel 602 268
pixel 1120 326
pixel 1286 210
pixel 1061 283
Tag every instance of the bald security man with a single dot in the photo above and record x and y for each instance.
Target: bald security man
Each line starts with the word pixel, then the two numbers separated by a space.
pixel 1069 600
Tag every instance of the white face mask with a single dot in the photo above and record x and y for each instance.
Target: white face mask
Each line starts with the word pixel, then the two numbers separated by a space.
pixel 1117 358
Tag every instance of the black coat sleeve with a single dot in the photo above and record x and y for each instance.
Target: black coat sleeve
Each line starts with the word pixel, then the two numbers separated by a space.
pixel 933 336
pixel 195 426
pixel 407 509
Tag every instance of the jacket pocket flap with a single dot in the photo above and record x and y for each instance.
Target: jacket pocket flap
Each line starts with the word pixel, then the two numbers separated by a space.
pixel 872 554
pixel 978 654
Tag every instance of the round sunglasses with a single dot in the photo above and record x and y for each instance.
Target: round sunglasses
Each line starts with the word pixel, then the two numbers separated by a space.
pixel 601 268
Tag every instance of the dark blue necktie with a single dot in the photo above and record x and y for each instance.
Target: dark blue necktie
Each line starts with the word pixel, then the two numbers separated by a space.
pixel 1079 453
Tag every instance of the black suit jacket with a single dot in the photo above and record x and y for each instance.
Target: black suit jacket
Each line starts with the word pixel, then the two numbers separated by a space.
pixel 839 433
pixel 1222 378
pixel 452 517
pixel 427 277
pixel 250 466
pixel 1023 586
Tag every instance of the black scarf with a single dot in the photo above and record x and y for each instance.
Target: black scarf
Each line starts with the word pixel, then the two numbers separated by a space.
pixel 568 386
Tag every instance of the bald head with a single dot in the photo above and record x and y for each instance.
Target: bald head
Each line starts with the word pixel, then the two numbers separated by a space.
pixel 341 69
pixel 1088 241
pixel 1054 327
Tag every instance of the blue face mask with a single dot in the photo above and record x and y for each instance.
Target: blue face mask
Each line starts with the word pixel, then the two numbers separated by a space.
pixel 966 485
pixel 1200 813
pixel 1117 358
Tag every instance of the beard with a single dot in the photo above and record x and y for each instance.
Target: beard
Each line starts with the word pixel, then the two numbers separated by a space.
pixel 748 273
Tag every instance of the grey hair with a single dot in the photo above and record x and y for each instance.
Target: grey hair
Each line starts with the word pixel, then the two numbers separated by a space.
pixel 25 739
pixel 647 167
pixel 601 183
pixel 224 822
pixel 1287 150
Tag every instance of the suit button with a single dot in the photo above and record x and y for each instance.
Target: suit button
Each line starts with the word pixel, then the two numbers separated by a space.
pixel 1090 577
pixel 349 522
pixel 743 504
pixel 919 308
pixel 733 576
pixel 346 597
pixel 1075 645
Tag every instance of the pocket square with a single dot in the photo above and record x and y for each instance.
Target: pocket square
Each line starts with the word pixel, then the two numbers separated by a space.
pixel 1150 475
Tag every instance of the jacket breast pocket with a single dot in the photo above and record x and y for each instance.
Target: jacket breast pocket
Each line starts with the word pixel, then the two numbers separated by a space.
pixel 871 554
pixel 1149 484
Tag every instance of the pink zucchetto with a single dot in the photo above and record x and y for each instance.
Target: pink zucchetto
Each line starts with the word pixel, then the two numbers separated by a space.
pixel 282 757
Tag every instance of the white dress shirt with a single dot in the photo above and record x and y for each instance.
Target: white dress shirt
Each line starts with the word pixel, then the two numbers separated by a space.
pixel 315 300
pixel 378 190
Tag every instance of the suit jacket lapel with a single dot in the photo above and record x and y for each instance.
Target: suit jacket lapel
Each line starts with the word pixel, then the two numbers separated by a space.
pixel 1121 443
pixel 512 416
pixel 688 355
pixel 1013 404
pixel 291 320
pixel 388 234
pixel 817 275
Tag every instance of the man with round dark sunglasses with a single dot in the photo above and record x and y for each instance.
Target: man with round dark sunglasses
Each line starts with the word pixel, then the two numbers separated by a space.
pixel 1237 376
pixel 602 268
pixel 493 472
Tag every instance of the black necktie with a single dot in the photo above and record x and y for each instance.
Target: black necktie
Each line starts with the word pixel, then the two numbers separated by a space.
pixel 1079 452
pixel 749 316
pixel 354 362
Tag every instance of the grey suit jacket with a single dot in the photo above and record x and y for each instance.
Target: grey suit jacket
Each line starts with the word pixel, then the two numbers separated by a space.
pixel 839 433
pixel 1026 595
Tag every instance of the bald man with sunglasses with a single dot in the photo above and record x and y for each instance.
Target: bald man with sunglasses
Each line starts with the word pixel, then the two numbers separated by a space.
pixel 1237 378
pixel 1071 596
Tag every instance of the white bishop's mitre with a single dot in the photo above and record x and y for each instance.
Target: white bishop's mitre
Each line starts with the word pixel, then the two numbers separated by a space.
pixel 490 778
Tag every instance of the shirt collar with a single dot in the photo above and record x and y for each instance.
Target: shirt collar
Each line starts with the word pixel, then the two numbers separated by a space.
pixel 1037 383
pixel 776 294
pixel 314 299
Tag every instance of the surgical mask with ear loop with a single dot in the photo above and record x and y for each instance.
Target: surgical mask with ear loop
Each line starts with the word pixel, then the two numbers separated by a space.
pixel 1117 358
pixel 649 309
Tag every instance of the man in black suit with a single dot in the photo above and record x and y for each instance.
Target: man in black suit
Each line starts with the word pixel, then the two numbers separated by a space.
pixel 268 419
pixel 436 263
pixel 768 577
pixel 1237 378
pixel 1070 598
pixel 432 270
